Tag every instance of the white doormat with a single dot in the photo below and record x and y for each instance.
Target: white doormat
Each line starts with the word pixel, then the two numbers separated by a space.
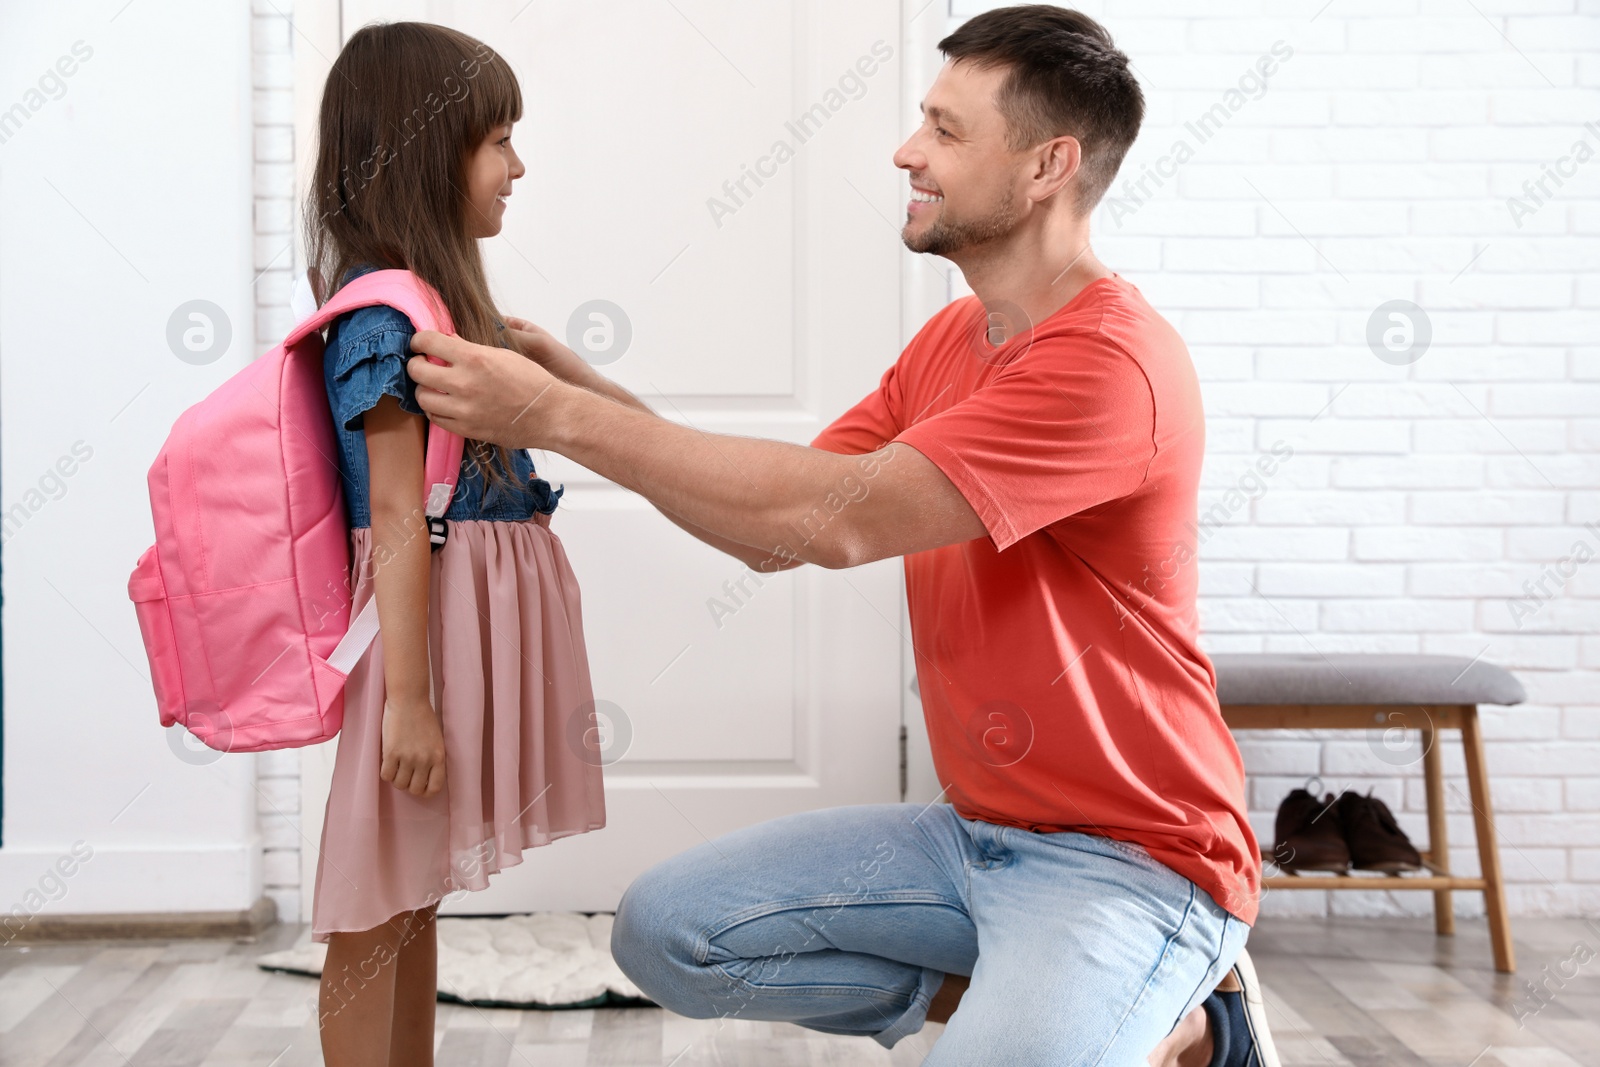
pixel 546 960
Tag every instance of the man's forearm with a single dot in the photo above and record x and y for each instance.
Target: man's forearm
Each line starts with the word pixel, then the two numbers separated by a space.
pixel 800 504
pixel 765 560
pixel 754 556
pixel 778 498
pixel 598 383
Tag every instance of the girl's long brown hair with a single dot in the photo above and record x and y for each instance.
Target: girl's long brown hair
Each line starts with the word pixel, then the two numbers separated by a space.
pixel 404 107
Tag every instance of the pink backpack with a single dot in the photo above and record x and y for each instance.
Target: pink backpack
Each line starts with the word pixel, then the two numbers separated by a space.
pixel 244 599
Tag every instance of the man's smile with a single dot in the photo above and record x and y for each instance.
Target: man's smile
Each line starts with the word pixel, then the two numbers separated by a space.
pixel 921 198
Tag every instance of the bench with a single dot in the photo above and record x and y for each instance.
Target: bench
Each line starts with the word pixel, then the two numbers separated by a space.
pixel 1387 693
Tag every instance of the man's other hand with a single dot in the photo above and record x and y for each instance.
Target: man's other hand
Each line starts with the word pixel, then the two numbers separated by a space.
pixel 540 345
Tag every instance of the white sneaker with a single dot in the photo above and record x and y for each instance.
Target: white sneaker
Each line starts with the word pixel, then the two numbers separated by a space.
pixel 1262 1053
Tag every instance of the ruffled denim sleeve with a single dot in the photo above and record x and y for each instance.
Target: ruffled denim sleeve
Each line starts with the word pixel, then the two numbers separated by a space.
pixel 370 348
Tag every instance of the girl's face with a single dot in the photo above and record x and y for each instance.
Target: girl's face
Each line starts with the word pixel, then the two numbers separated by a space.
pixel 491 170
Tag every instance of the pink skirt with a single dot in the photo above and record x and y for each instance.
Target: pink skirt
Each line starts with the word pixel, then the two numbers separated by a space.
pixel 511 684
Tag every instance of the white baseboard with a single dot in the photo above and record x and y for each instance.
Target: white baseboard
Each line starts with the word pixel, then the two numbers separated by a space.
pixel 123 880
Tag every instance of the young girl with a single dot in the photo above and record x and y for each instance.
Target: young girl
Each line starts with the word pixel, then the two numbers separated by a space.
pixel 464 737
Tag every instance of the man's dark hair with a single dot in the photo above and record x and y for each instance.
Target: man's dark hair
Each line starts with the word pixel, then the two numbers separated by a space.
pixel 1065 78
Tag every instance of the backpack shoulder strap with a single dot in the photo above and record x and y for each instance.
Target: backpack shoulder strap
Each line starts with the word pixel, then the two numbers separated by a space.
pixel 396 288
pixel 421 303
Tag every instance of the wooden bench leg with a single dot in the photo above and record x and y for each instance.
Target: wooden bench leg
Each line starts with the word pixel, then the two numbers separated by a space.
pixel 1444 916
pixel 1494 893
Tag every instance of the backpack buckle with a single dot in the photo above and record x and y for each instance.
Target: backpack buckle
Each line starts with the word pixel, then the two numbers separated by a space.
pixel 438 502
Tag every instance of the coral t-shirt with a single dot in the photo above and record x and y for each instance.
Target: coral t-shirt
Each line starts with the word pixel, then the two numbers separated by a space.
pixel 1057 658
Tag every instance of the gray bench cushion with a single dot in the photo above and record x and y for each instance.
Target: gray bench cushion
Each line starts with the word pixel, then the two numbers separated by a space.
pixel 1360 678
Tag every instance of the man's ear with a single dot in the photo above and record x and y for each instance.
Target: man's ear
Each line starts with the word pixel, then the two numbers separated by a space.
pixel 1056 162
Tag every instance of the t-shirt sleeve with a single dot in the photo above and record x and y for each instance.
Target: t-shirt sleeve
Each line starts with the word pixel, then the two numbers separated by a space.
pixel 1068 426
pixel 372 346
pixel 869 425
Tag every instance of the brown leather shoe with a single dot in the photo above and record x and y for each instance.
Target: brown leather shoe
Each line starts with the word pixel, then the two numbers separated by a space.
pixel 1308 833
pixel 1376 841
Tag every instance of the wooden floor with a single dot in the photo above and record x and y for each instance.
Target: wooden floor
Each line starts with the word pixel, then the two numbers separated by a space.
pixel 1344 992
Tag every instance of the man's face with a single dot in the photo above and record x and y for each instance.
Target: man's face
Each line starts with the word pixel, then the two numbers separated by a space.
pixel 964 178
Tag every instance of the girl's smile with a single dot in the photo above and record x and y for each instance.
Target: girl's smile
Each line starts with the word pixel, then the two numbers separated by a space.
pixel 492 168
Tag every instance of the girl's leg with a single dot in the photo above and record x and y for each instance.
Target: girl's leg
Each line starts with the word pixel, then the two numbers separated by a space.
pixel 356 1002
pixel 416 986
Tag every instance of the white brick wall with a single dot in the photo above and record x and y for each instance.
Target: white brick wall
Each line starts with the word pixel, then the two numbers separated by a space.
pixel 1419 499
pixel 278 794
pixel 1377 166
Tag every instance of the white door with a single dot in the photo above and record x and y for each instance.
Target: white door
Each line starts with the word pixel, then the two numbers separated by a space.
pixel 720 172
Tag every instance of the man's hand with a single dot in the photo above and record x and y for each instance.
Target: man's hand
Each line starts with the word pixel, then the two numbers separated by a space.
pixel 539 345
pixel 785 501
pixel 489 394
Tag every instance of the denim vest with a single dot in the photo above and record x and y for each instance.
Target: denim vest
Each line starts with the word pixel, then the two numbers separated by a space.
pixel 365 358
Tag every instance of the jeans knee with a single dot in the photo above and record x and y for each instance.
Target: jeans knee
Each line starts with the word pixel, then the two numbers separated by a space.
pixel 654 941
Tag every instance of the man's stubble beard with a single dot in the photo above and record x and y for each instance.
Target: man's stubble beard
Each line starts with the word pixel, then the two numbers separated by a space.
pixel 944 237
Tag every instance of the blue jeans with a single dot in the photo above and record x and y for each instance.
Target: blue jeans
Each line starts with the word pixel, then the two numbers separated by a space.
pixel 846 920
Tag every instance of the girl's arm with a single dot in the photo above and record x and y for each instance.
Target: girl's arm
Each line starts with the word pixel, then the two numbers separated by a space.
pixel 413 742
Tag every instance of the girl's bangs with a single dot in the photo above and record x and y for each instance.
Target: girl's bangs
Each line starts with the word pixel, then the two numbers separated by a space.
pixel 495 98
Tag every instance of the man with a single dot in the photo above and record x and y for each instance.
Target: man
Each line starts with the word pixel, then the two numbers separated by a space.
pixel 1035 456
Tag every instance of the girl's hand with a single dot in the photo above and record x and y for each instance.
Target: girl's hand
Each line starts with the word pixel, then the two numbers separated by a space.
pixel 539 345
pixel 413 748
